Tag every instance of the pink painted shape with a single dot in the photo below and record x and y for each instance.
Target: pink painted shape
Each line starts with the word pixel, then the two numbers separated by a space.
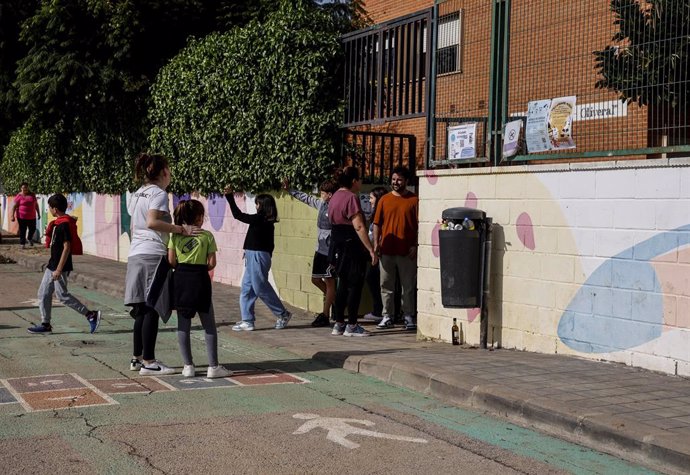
pixel 525 230
pixel 434 240
pixel 675 285
pixel 472 314
pixel 431 177
pixel 471 200
pixel 107 233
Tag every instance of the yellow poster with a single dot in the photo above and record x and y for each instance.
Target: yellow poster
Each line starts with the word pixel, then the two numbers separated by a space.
pixel 561 122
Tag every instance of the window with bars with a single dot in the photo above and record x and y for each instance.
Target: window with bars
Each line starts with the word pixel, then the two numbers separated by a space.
pixel 448 50
pixel 385 70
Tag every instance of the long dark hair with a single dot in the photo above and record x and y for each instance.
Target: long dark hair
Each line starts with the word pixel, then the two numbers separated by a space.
pixel 266 206
pixel 148 167
pixel 188 212
pixel 378 192
pixel 346 176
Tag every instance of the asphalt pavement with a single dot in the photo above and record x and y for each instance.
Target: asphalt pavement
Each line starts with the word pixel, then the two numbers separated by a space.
pixel 636 414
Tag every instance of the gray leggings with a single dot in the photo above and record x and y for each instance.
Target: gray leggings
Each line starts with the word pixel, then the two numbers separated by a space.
pixel 184 326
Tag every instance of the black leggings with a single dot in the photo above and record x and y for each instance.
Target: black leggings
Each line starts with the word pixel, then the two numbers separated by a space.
pixel 349 291
pixel 145 331
pixel 24 225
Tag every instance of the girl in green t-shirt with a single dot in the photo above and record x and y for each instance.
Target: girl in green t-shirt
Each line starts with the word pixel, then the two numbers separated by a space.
pixel 193 257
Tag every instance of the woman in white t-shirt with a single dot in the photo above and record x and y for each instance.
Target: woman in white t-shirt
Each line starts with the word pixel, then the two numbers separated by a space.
pixel 146 283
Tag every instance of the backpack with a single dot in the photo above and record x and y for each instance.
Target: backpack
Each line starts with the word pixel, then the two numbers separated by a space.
pixel 76 249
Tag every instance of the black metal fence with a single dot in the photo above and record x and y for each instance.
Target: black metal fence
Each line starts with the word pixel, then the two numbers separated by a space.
pixel 377 153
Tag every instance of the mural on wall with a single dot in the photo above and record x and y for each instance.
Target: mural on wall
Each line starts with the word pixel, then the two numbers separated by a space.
pixel 621 304
pixel 637 300
pixel 104 226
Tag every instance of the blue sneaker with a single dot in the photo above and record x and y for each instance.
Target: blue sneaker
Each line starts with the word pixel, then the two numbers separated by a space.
pixel 94 318
pixel 355 330
pixel 42 328
pixel 338 329
pixel 283 320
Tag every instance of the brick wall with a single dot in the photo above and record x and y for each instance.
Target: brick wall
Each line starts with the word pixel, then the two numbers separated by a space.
pixel 551 46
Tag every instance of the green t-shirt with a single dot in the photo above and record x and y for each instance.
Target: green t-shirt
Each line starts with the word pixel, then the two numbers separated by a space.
pixel 193 249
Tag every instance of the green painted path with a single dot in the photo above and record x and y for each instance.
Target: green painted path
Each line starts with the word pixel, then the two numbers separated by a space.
pixel 235 428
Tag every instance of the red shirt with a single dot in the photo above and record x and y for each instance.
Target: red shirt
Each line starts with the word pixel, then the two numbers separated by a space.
pixel 397 218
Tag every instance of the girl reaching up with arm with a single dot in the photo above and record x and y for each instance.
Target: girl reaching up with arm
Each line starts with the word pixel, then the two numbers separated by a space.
pixel 258 250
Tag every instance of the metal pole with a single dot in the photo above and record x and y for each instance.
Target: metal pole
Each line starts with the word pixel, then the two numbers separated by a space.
pixel 486 271
pixel 431 89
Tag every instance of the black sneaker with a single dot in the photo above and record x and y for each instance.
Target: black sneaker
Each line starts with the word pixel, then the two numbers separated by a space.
pixel 321 320
pixel 42 328
pixel 94 318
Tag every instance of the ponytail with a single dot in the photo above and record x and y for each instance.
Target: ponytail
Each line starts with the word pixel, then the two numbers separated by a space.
pixel 346 176
pixel 148 167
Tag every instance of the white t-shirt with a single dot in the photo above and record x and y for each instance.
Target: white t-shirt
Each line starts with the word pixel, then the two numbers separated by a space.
pixel 145 240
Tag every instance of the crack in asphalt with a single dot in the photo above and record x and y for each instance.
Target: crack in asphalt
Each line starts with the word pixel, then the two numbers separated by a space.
pixel 132 450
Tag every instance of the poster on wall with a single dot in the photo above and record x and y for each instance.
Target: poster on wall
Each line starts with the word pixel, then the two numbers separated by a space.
pixel 537 128
pixel 561 117
pixel 511 138
pixel 461 141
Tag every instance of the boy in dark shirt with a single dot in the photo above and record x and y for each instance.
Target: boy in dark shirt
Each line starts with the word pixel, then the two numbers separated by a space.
pixel 57 271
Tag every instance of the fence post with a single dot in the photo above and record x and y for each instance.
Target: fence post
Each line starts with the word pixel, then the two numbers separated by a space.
pixel 431 90
pixel 498 78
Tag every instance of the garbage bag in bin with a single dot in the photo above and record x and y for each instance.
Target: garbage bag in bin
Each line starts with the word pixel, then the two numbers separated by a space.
pixel 461 248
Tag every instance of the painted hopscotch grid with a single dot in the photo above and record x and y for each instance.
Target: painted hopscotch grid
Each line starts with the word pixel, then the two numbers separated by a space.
pixel 6 397
pixel 63 391
pixel 143 385
pixel 265 377
pixel 55 392
pixel 184 383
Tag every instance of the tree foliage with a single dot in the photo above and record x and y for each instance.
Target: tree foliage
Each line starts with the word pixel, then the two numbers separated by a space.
pixel 649 59
pixel 76 76
pixel 85 73
pixel 12 15
pixel 253 105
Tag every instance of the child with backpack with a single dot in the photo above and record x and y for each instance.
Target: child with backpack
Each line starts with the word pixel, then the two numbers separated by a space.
pixel 62 236
pixel 193 257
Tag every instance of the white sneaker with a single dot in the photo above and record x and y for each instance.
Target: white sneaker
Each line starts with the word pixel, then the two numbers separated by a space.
pixel 243 326
pixel 155 368
pixel 218 372
pixel 283 321
pixel 135 364
pixel 189 371
pixel 386 322
pixel 370 317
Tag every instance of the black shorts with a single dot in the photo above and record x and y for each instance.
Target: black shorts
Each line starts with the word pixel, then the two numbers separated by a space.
pixel 320 268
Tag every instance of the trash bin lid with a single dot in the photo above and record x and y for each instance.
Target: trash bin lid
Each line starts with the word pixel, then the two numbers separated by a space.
pixel 462 213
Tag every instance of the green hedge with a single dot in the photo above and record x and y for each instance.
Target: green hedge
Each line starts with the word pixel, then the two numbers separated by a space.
pixel 253 105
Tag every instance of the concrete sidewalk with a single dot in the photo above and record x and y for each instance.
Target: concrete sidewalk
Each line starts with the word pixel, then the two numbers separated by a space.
pixel 636 414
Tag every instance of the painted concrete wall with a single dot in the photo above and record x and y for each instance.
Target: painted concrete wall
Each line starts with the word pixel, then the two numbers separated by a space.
pixel 588 259
pixel 104 224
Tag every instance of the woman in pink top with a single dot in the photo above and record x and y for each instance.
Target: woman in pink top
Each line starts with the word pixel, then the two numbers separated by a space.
pixel 25 207
pixel 349 251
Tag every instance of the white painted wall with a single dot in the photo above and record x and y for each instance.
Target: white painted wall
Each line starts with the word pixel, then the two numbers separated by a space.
pixel 588 259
